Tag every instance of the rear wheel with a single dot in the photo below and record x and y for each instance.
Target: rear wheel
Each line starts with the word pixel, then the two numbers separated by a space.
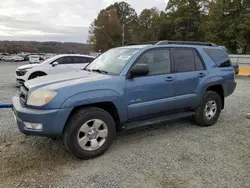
pixel 36 75
pixel 209 109
pixel 89 132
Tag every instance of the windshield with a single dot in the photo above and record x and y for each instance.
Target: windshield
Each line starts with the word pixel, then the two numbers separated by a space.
pixel 113 61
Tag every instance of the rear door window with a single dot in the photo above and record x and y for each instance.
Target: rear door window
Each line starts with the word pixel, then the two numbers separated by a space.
pixel 184 60
pixel 78 60
pixel 219 56
pixel 90 59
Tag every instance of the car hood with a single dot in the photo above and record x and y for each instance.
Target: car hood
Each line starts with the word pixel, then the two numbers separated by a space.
pixel 63 79
pixel 28 66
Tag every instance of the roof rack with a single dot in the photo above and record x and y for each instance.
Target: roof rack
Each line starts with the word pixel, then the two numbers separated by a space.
pixel 185 43
pixel 164 42
pixel 143 43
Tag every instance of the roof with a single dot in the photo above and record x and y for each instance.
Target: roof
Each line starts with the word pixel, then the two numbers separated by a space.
pixel 82 55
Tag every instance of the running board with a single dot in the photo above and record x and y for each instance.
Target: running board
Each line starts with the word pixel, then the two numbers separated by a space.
pixel 157 120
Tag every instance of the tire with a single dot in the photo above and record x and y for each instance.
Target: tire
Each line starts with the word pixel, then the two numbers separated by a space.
pixel 36 74
pixel 201 117
pixel 77 121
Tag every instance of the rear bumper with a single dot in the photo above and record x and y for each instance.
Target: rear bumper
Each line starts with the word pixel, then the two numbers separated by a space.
pixel 230 88
pixel 53 121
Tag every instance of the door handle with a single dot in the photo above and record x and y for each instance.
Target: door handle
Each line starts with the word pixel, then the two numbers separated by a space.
pixel 201 74
pixel 169 79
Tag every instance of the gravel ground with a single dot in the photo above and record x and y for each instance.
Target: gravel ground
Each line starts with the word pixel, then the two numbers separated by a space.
pixel 178 155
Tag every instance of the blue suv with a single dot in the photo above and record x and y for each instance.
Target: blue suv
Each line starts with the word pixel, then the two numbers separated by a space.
pixel 125 88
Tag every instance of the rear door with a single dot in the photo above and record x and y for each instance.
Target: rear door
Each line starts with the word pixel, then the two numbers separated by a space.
pixel 190 73
pixel 80 62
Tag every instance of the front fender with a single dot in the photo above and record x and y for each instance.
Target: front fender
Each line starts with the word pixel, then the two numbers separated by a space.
pixel 43 69
pixel 97 96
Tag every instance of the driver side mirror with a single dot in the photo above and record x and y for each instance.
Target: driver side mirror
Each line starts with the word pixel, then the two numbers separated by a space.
pixel 138 70
pixel 55 63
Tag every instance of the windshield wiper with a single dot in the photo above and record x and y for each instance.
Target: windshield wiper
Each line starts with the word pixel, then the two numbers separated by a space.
pixel 100 71
pixel 96 70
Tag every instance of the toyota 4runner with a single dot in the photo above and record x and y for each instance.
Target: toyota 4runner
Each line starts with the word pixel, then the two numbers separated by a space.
pixel 124 88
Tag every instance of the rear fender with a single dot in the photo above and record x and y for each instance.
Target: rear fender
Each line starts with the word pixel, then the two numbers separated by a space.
pixel 212 82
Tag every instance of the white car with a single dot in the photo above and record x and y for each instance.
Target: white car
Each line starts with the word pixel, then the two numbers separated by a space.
pixel 53 65
pixel 6 58
pixel 12 58
pixel 18 58
pixel 34 59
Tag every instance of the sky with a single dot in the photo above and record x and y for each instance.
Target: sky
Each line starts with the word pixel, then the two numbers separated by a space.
pixel 56 20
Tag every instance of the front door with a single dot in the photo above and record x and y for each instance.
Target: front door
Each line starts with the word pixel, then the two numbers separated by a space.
pixel 154 93
pixel 64 65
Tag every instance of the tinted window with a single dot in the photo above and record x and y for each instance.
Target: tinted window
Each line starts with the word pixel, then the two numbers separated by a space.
pixel 83 60
pixel 79 60
pixel 184 60
pixel 75 60
pixel 198 62
pixel 90 59
pixel 220 57
pixel 158 61
pixel 64 60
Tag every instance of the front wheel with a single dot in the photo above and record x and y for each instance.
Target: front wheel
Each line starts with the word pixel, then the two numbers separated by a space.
pixel 89 132
pixel 209 109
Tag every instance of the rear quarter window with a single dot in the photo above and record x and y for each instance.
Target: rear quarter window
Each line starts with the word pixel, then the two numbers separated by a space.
pixel 219 56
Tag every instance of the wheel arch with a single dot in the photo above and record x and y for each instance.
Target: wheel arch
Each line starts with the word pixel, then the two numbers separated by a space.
pixel 218 88
pixel 108 106
pixel 36 72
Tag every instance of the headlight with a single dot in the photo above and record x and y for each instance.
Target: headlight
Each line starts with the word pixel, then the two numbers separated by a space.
pixel 41 97
pixel 24 71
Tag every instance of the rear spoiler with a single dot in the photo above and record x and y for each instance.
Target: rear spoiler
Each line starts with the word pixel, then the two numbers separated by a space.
pixel 223 47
